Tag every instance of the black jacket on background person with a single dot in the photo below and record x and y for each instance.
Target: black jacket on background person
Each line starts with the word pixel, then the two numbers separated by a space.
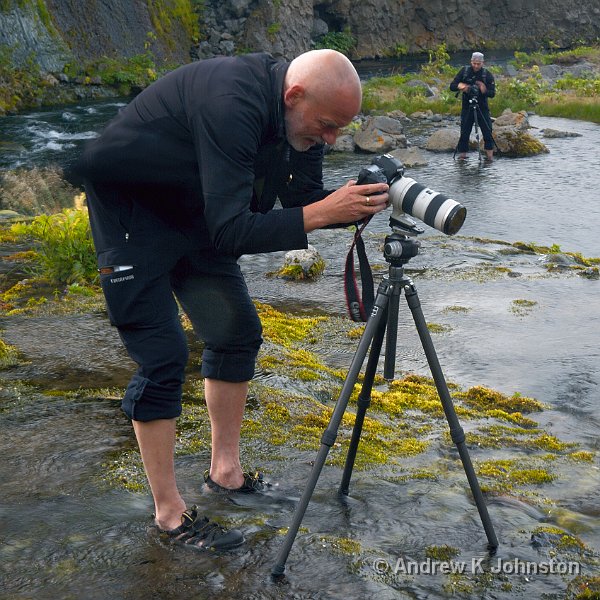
pixel 209 137
pixel 468 75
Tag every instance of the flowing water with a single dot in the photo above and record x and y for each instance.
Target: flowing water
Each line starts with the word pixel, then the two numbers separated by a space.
pixel 65 533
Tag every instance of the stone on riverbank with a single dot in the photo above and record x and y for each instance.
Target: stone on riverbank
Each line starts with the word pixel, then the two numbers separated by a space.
pixel 380 134
pixel 517 143
pixel 555 133
pixel 302 264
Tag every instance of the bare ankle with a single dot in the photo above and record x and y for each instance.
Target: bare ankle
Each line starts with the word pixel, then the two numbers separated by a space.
pixel 228 478
pixel 168 516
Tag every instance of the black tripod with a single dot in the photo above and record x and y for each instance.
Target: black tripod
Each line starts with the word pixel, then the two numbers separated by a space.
pixel 475 106
pixel 399 248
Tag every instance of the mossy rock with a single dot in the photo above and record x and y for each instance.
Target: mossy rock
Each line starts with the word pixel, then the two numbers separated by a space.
pixel 514 143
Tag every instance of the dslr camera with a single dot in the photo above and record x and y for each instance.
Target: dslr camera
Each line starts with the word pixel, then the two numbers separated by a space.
pixel 408 196
pixel 473 90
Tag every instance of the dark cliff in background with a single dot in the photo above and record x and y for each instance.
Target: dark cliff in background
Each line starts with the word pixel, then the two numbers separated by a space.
pixel 56 32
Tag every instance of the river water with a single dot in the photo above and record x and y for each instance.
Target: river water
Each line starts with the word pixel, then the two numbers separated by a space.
pixel 521 328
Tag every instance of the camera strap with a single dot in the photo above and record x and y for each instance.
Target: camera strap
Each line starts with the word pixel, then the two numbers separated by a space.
pixel 359 307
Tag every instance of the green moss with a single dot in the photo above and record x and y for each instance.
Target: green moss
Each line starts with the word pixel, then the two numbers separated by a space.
pixel 561 540
pixel 400 398
pixel 517 418
pixel 356 332
pixel 582 456
pixel 508 472
pixel 126 471
pixel 438 328
pixel 296 271
pixel 415 474
pixel 522 307
pixel 442 553
pixel 486 399
pixel 344 546
pixel 499 436
pixel 456 309
pixel 284 329
pixel 375 449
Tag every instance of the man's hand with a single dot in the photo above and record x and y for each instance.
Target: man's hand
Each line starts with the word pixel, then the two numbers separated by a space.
pixel 482 87
pixel 348 204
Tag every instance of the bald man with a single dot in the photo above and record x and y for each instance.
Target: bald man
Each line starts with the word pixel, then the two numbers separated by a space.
pixel 181 184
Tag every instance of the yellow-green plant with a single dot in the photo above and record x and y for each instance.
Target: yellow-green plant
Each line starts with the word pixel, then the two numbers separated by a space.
pixel 64 250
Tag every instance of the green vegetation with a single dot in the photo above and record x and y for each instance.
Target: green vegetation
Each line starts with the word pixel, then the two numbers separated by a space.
pixel 584 587
pixel 296 272
pixel 273 30
pixel 124 74
pixel 342 41
pixel 64 250
pixel 20 87
pixel 165 13
pixel 522 306
pixel 570 97
pixel 9 355
pixel 443 553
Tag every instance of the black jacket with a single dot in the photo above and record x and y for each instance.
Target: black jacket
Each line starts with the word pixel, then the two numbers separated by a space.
pixel 468 75
pixel 210 137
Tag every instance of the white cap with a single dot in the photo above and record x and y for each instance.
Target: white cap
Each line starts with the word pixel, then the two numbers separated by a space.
pixel 477 56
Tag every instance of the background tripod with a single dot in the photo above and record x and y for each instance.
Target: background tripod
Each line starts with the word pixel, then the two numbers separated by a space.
pixel 475 106
pixel 398 250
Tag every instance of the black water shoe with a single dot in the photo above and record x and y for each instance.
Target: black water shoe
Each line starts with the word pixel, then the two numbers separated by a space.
pixel 253 482
pixel 201 533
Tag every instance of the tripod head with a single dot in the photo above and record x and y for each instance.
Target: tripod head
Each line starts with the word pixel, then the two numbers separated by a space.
pixel 399 248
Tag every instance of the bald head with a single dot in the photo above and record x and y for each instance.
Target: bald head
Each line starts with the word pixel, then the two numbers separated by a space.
pixel 326 74
pixel 321 94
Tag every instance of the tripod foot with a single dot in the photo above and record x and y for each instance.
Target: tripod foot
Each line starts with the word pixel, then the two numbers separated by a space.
pixel 278 571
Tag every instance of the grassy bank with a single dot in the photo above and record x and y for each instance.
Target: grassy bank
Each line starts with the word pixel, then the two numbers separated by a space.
pixel 569 96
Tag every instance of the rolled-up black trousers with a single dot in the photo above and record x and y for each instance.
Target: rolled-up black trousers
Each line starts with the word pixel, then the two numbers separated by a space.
pixel 148 262
pixel 467 120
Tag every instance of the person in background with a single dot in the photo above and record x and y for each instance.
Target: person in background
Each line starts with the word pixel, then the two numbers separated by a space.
pixel 477 84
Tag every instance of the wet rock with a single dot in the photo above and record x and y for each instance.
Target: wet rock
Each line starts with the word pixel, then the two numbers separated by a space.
pixel 508 118
pixel 443 140
pixel 302 264
pixel 552 73
pixel 515 142
pixel 380 134
pixel 344 143
pixel 555 133
pixel 590 273
pixel 422 114
pixel 410 157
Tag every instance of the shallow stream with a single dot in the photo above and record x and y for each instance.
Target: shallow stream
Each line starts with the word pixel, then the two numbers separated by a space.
pixel 507 322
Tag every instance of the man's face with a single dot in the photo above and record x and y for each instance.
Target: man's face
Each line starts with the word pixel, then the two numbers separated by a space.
pixel 476 64
pixel 309 121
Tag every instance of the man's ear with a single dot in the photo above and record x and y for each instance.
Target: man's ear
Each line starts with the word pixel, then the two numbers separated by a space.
pixel 293 95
